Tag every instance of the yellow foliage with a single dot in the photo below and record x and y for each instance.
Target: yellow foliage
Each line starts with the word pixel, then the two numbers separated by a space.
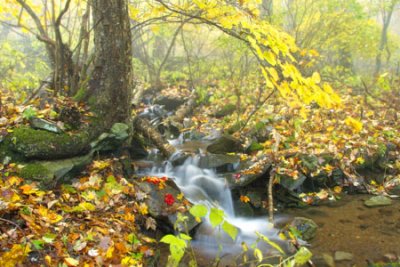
pixel 355 125
pixel 16 256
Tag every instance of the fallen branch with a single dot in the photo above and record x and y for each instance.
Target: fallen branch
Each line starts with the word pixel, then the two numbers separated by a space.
pixel 144 127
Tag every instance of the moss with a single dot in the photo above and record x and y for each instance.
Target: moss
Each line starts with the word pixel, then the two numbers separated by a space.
pixel 46 145
pixel 6 153
pixel 228 109
pixel 36 172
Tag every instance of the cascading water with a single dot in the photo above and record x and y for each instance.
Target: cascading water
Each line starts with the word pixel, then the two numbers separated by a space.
pixel 199 185
pixel 206 187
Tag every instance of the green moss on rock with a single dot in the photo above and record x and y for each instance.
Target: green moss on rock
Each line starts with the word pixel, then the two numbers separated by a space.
pixel 36 172
pixel 8 155
pixel 41 144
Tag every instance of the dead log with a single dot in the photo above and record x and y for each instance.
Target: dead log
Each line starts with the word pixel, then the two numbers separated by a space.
pixel 144 127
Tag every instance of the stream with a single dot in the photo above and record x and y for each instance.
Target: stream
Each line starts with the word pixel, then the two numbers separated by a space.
pixel 368 234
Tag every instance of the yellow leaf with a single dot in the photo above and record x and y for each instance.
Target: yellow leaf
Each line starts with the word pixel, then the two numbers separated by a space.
pixel 355 125
pixel 316 77
pixel 15 257
pixel 270 57
pixel 48 215
pixel 87 206
pixel 110 252
pixel 143 209
pixel 244 199
pixel 360 160
pixel 100 164
pixel 71 262
pixel 337 189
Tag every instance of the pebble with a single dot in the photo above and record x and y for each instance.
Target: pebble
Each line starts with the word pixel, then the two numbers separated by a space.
pixel 343 256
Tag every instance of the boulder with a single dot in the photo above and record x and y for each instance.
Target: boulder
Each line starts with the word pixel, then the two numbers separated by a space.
pixel 224 144
pixel 223 163
pixel 307 228
pixel 41 144
pixel 290 183
pixel 49 172
pixel 160 210
pixel 169 102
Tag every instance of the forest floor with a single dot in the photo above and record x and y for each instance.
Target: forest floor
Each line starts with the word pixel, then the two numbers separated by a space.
pixel 101 217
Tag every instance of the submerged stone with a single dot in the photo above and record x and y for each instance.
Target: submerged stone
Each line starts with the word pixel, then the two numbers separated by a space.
pixel 224 144
pixel 343 256
pixel 377 201
pixel 307 228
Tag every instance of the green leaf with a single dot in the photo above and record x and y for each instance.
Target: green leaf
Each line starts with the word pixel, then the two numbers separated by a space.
pixel 216 217
pixel 231 230
pixel 258 255
pixel 271 243
pixel 49 238
pixel 38 244
pixel 302 256
pixel 198 210
pixel 168 239
pixel 29 113
pixel 185 237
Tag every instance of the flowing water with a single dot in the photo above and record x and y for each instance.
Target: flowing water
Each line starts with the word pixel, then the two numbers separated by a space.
pixel 206 187
pixel 347 225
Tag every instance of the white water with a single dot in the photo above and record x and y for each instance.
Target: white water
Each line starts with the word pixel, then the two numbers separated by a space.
pixel 204 186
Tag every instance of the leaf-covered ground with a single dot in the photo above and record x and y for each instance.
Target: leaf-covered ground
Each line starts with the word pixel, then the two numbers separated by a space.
pixel 101 217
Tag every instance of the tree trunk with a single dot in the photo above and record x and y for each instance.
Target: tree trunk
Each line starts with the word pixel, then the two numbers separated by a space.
pixel 111 86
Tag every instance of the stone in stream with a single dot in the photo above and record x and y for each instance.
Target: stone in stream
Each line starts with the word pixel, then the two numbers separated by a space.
pixel 343 256
pixel 307 228
pixel 224 144
pixel 164 213
pixel 378 201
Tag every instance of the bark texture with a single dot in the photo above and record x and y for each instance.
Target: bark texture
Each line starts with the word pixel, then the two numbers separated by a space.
pixel 111 85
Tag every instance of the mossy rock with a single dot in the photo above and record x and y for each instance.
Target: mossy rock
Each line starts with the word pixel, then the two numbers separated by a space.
pixel 39 144
pixel 228 109
pixel 48 172
pixel 8 155
pixel 36 172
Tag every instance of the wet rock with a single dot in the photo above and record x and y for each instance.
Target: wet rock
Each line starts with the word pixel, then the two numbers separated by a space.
pixel 112 140
pixel 223 163
pixel 292 184
pixel 137 149
pixel 224 144
pixel 378 201
pixel 42 124
pixel 247 173
pixel 306 227
pixel 256 198
pixel 343 256
pixel 165 214
pixel 243 209
pixel 324 260
pixel 169 102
